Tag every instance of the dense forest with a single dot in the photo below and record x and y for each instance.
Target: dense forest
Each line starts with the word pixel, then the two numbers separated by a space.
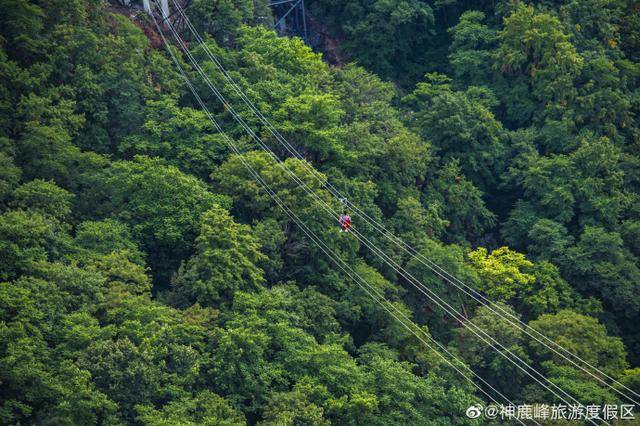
pixel 146 277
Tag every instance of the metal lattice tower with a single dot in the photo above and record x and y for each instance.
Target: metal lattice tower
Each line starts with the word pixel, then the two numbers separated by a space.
pixel 291 18
pixel 167 12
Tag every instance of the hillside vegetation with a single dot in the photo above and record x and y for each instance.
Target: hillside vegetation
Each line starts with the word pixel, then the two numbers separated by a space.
pixel 147 279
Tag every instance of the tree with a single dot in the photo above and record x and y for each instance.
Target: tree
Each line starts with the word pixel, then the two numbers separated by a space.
pixel 474 340
pixel 631 379
pixel 44 197
pixel 98 238
pixel 539 63
pixel 402 165
pixel 161 205
pixel 413 222
pixel 464 207
pixel 582 336
pixel 121 270
pixel 602 266
pixel 459 127
pixel 183 136
pixel 222 19
pixel 310 122
pixel 384 36
pixel 205 408
pixel 111 77
pixel 450 258
pixel 284 60
pixel 47 152
pixel 27 237
pixel 272 239
pixel 406 398
pixel 366 98
pixel 548 240
pixel 502 273
pixel 40 381
pixel 572 382
pixel 533 288
pixel 24 23
pixel 629 33
pixel 78 289
pixel 250 350
pixel 224 263
pixel 9 175
pixel 470 54
pixel 359 310
pixel 593 29
pixel 127 372
pixel 296 407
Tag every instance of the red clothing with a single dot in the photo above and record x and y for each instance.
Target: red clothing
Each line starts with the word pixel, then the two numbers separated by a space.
pixel 345 221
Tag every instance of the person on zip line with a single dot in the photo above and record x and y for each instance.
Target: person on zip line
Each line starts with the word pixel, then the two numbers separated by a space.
pixel 345 221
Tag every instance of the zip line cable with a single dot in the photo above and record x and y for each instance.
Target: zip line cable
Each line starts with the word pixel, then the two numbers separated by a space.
pixel 476 329
pixel 324 249
pixel 441 272
pixel 471 326
pixel 380 227
pixel 410 250
pixel 304 186
pixel 250 131
pixel 339 262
